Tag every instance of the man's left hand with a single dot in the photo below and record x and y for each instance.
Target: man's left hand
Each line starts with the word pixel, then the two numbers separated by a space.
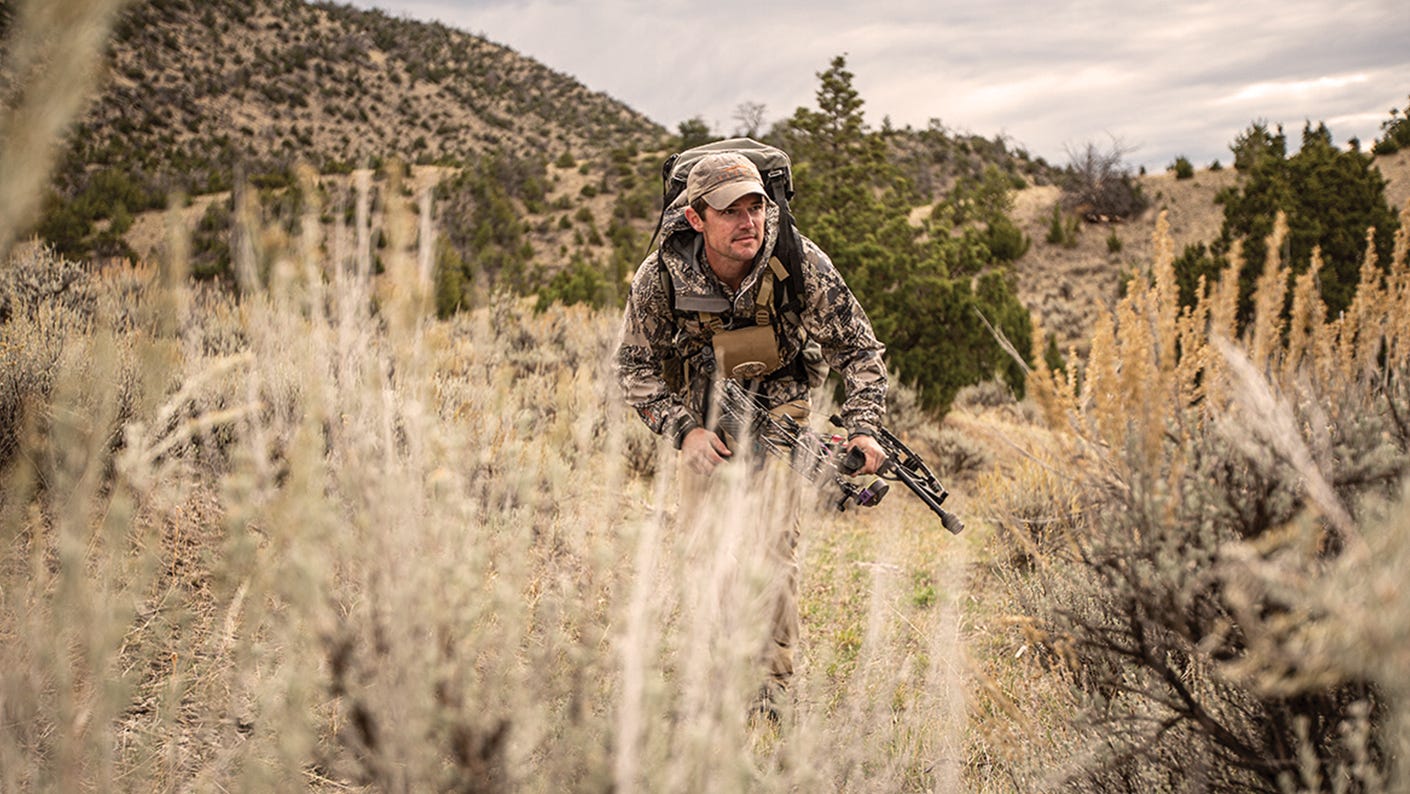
pixel 872 449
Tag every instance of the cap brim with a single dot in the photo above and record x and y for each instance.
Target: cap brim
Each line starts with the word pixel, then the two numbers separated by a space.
pixel 725 195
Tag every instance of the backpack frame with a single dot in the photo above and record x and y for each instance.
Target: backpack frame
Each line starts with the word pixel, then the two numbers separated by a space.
pixel 776 169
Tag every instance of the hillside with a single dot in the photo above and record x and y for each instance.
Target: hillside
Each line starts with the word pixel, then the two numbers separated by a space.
pixel 537 175
pixel 202 96
pixel 1065 287
pixel 197 86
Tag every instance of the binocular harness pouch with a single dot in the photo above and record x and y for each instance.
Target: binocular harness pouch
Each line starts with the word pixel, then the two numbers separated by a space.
pixel 750 352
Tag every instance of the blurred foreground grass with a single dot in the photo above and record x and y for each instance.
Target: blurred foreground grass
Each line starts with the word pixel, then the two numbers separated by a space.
pixel 307 536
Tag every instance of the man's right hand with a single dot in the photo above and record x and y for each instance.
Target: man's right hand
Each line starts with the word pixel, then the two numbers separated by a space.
pixel 702 450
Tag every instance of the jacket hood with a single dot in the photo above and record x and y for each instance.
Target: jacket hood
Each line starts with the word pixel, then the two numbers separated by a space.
pixel 683 256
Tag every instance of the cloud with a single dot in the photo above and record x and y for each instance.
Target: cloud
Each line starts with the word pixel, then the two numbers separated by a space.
pixel 1181 78
pixel 1295 89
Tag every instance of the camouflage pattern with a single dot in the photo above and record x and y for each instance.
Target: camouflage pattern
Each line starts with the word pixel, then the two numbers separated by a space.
pixel 652 330
pixel 722 177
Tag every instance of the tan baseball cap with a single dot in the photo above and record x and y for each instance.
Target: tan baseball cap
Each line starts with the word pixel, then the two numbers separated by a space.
pixel 721 178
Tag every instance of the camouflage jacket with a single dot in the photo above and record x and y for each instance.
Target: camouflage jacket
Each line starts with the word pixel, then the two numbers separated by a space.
pixel 652 328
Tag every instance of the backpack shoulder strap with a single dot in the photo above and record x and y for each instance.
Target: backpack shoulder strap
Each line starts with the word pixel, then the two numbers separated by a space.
pixel 788 254
pixel 668 286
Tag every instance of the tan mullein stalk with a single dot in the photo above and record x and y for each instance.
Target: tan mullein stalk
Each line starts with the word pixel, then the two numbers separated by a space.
pixel 1398 291
pixel 1040 381
pixel 1167 300
pixel 1401 253
pixel 1103 400
pixel 1269 294
pixel 1224 299
pixel 1319 356
pixel 1054 394
pixel 1178 354
pixel 1342 331
pixel 1192 330
pixel 1223 308
pixel 1144 398
pixel 1306 321
pixel 1355 329
pixel 1074 382
pixel 1369 305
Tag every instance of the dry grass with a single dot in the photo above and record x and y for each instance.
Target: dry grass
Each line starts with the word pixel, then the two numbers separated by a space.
pixel 311 538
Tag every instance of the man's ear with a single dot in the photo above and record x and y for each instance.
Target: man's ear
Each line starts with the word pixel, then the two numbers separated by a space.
pixel 696 222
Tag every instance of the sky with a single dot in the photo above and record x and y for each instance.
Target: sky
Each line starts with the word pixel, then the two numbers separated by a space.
pixel 1158 80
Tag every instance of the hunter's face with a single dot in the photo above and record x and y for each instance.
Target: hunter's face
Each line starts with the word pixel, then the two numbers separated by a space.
pixel 734 234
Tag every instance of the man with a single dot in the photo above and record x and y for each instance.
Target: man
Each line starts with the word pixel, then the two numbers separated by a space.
pixel 710 283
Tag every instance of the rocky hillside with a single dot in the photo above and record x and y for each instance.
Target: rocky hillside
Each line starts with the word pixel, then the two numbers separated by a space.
pixel 201 88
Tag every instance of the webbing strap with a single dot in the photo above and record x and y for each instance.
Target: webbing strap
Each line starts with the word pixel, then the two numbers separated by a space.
pixel 711 321
pixel 762 301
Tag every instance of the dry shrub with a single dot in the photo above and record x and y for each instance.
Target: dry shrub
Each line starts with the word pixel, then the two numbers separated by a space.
pixel 958 455
pixel 37 278
pixel 59 316
pixel 1098 186
pixel 1223 488
pixel 989 394
pixel 1034 508
pixel 42 298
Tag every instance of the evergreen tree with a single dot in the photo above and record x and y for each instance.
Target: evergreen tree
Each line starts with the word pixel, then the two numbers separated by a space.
pixel 922 298
pixel 483 223
pixel 1258 144
pixel 1330 196
pixel 694 132
pixel 1395 132
pixel 972 227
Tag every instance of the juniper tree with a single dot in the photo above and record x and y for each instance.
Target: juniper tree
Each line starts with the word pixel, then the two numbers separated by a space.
pixel 1395 132
pixel 922 298
pixel 1331 198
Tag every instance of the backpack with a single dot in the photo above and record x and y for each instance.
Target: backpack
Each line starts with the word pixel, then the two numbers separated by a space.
pixel 776 170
